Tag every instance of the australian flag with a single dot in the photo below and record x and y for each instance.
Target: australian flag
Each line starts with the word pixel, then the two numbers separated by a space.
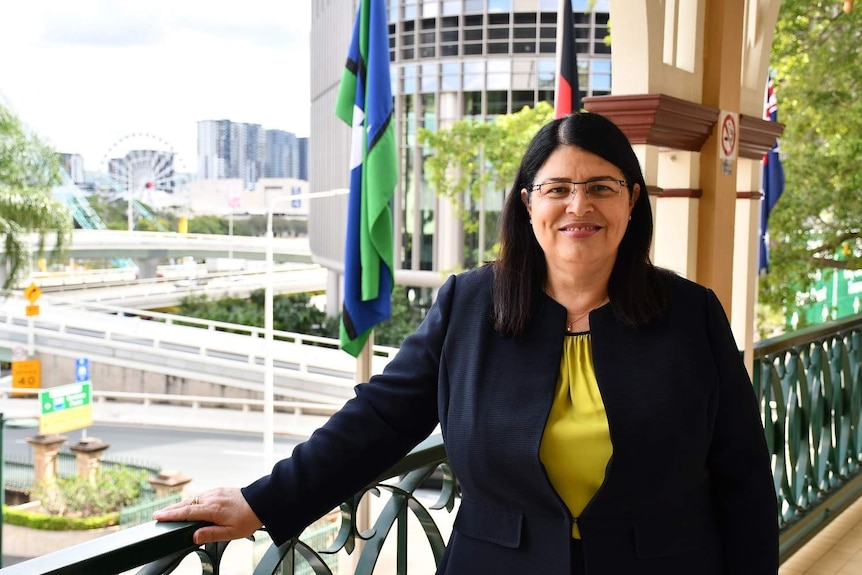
pixel 773 179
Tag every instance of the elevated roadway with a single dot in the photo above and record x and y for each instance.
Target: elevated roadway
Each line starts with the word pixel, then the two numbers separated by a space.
pixel 169 292
pixel 137 245
pixel 167 352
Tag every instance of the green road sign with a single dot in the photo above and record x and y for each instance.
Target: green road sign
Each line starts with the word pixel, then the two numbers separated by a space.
pixel 66 408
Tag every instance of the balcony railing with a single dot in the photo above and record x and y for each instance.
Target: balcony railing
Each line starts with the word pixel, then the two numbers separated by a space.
pixel 810 388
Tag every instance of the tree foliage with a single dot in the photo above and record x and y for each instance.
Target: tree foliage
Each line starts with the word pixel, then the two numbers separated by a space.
pixel 29 169
pixel 297 313
pixel 471 157
pixel 817 223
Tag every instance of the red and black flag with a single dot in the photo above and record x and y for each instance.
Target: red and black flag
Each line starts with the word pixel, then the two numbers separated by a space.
pixel 567 93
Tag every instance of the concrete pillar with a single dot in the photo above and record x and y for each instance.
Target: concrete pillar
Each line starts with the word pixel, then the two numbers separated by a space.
pixel 168 482
pixel 449 237
pixel 88 454
pixel 146 267
pixel 45 450
pixel 721 88
pixel 333 293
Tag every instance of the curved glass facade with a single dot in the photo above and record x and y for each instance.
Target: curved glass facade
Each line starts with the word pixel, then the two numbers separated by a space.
pixel 454 59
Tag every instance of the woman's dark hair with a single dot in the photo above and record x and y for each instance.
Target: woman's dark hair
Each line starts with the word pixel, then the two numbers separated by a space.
pixel 636 292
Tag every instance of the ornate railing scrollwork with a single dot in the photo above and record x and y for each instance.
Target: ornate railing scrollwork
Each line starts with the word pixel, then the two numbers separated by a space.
pixel 810 388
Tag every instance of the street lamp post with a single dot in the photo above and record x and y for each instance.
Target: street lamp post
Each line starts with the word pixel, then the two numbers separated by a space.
pixel 268 368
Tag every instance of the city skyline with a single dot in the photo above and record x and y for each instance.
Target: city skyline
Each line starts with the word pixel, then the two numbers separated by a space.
pixel 84 76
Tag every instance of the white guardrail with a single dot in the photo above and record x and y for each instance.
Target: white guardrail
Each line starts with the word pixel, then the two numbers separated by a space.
pixel 306 369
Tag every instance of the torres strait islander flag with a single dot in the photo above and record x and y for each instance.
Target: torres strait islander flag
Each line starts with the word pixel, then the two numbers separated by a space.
pixel 567 93
pixel 365 103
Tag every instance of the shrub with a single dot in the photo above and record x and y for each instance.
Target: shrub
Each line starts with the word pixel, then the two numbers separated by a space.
pixel 79 497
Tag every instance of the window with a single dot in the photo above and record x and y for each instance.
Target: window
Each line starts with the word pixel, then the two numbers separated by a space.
pixel 547 71
pixel 522 98
pixel 497 102
pixel 472 104
pixel 429 112
pixel 474 75
pixel 409 85
pixel 499 74
pixel 450 7
pixel 429 78
pixel 451 77
pixel 474 5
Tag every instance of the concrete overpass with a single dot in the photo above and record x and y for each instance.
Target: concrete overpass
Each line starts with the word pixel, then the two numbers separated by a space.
pixel 149 248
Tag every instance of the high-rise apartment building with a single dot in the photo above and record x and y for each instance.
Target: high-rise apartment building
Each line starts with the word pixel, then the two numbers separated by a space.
pixel 284 155
pixel 230 150
pixel 302 148
pixel 450 59
pixel 248 152
pixel 214 149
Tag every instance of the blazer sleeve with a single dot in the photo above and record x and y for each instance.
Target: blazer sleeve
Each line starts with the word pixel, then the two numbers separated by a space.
pixel 389 415
pixel 739 463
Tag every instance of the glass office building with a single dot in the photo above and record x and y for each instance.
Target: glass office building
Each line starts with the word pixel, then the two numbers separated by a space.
pixel 454 59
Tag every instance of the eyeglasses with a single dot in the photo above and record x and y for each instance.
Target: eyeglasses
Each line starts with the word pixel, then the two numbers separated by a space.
pixel 601 189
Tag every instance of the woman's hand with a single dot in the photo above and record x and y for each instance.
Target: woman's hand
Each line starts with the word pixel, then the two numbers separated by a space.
pixel 225 507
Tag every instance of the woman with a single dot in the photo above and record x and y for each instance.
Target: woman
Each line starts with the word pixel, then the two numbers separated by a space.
pixel 595 409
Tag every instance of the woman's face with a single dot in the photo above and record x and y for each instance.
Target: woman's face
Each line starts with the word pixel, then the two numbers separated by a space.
pixel 580 228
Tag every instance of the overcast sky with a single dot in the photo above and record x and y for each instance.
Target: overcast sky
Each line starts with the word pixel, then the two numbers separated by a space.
pixel 87 74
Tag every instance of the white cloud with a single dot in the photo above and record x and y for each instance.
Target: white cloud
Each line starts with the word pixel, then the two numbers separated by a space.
pixel 88 73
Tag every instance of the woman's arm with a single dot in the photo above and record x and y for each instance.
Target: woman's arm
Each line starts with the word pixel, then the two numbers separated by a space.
pixel 739 463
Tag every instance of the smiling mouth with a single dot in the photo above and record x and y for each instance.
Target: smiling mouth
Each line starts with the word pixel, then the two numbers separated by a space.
pixel 581 228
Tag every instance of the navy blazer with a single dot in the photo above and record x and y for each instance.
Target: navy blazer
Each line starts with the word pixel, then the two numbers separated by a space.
pixel 688 488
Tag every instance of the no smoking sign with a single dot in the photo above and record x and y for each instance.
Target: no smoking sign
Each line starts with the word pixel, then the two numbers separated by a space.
pixel 728 123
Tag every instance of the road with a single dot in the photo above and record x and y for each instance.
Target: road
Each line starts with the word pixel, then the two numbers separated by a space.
pixel 210 458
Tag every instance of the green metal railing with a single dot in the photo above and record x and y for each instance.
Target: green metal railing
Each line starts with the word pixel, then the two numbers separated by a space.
pixel 157 548
pixel 810 387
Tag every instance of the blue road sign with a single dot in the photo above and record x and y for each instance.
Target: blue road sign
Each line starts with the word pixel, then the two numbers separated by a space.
pixel 82 369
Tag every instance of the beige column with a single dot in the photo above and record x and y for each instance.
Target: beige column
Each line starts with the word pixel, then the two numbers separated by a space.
pixel 45 451
pixel 677 212
pixel 721 90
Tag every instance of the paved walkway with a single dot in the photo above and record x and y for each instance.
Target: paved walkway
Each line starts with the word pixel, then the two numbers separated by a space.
pixel 837 550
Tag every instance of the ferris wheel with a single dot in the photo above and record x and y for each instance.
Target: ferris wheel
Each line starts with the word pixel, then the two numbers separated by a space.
pixel 141 164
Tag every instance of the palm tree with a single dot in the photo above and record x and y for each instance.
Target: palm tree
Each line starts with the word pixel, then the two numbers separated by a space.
pixel 28 171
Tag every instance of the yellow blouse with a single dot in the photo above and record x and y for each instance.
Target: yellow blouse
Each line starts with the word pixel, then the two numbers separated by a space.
pixel 576 445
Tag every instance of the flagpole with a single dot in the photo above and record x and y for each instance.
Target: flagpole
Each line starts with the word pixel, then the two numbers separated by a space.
pixel 363 508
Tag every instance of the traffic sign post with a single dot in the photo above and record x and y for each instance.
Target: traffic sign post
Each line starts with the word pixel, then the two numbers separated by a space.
pixel 26 374
pixel 32 293
pixel 82 369
pixel 66 408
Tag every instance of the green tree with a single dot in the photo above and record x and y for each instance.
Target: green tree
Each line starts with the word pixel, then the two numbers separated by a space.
pixel 470 158
pixel 208 225
pixel 817 223
pixel 29 169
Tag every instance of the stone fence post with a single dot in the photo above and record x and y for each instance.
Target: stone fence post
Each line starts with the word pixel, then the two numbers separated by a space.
pixel 88 454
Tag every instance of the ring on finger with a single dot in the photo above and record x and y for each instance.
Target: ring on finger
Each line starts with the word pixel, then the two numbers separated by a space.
pixel 195 501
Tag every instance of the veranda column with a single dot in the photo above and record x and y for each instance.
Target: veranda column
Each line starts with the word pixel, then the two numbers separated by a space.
pixel 722 57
